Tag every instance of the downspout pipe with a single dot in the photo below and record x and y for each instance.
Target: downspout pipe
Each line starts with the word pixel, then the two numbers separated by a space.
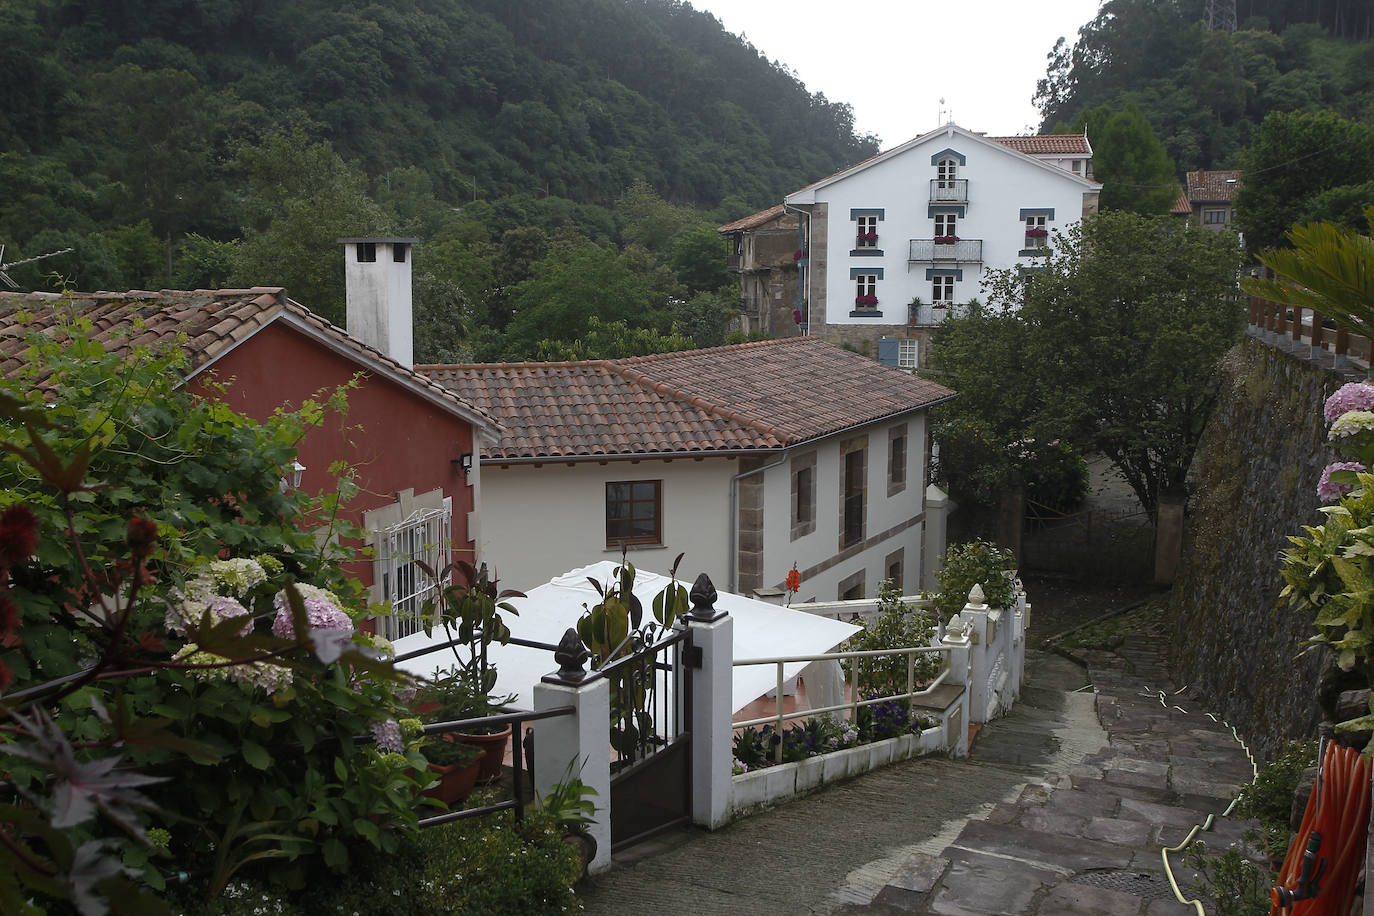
pixel 733 520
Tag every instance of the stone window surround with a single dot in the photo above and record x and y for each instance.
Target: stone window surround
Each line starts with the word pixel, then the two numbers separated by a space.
pixel 854 444
pixel 895 559
pixel 849 583
pixel 896 472
pixel 802 526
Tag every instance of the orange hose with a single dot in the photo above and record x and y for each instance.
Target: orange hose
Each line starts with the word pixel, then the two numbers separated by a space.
pixel 1340 813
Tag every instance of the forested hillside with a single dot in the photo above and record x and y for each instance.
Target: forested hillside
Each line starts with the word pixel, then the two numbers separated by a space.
pixel 1206 92
pixel 202 142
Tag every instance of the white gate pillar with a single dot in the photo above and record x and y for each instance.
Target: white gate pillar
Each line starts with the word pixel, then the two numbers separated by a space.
pixel 712 655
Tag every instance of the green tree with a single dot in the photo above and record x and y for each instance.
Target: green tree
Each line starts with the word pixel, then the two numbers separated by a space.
pixel 1129 160
pixel 1124 327
pixel 303 198
pixel 1296 157
pixel 1329 269
pixel 697 256
pixel 611 340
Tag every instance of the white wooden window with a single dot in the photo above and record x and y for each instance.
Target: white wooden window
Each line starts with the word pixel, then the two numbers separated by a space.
pixel 1037 236
pixel 945 225
pixel 908 353
pixel 423 536
pixel 866 232
pixel 866 291
pixel 942 289
pixel 947 172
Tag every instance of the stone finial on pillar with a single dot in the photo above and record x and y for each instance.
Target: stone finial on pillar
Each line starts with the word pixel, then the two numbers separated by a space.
pixel 976 597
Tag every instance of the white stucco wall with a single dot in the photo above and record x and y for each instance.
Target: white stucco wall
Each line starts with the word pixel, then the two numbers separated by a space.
pixel 882 513
pixel 1000 183
pixel 540 522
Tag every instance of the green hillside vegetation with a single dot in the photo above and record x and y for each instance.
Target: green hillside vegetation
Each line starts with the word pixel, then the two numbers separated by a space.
pixel 1203 92
pixel 198 143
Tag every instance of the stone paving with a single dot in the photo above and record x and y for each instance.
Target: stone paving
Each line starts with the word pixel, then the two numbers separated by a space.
pixel 1088 841
pixel 1061 809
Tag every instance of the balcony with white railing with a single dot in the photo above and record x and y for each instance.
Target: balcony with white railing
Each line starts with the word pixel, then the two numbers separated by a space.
pixel 949 190
pixel 928 315
pixel 959 251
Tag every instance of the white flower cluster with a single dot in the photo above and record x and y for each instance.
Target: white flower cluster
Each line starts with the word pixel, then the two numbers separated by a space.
pixel 216 587
pixel 265 675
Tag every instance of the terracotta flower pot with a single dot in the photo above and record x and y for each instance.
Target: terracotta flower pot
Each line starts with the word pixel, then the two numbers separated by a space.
pixel 456 781
pixel 493 752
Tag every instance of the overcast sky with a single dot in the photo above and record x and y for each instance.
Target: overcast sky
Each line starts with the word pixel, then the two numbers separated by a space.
pixel 893 60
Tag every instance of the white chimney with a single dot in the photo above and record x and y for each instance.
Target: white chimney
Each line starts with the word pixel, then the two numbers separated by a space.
pixel 377 281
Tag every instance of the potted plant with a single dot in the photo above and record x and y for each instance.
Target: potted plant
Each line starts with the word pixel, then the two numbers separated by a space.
pixel 456 764
pixel 452 695
pixel 570 805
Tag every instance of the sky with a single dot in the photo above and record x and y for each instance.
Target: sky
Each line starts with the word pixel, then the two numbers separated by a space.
pixel 894 60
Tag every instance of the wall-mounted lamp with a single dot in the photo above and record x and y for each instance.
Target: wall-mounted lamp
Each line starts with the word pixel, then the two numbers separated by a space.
pixel 291 480
pixel 464 461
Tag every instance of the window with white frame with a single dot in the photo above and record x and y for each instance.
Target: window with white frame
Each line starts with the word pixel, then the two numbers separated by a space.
pixel 908 353
pixel 945 227
pixel 422 537
pixel 942 289
pixel 866 291
pixel 866 232
pixel 1037 235
pixel 947 172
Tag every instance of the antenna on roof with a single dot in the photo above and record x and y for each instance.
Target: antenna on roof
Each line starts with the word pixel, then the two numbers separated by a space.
pixel 940 118
pixel 5 277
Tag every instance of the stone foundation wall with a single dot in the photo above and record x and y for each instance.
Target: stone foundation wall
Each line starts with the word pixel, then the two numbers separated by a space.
pixel 1260 460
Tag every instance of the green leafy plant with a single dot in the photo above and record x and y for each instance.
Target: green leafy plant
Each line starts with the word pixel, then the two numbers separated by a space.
pixel 895 626
pixel 1269 797
pixel 569 802
pixel 979 563
pixel 1234 885
pixel 614 628
pixel 181 650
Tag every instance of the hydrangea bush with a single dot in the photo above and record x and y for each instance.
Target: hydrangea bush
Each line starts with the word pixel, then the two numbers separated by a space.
pixel 184 680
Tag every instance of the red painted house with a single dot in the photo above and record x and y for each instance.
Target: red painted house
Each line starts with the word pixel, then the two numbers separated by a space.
pixel 405 436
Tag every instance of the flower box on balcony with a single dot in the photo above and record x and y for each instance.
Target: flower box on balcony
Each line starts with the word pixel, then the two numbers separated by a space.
pixel 869 301
pixel 869 237
pixel 1037 233
pixel 946 239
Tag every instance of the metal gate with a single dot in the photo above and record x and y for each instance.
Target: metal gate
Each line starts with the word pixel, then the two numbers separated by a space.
pixel 651 772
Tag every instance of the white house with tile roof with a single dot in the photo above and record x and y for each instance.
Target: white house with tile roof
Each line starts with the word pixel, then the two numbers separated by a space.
pixel 893 245
pixel 748 459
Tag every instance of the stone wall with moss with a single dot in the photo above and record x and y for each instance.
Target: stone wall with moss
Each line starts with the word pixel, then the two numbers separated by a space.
pixel 1234 644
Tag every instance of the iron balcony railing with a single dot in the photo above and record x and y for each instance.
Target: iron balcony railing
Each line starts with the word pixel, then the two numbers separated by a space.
pixel 964 251
pixel 949 190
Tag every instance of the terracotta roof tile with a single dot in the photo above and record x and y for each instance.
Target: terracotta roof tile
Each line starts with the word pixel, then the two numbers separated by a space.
pixel 1181 206
pixel 754 220
pixel 747 397
pixel 1044 144
pixel 204 324
pixel 1213 187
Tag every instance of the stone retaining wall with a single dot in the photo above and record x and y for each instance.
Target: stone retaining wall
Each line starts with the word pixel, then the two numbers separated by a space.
pixel 1260 460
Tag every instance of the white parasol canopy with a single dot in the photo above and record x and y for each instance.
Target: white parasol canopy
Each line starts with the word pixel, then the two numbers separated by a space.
pixel 762 630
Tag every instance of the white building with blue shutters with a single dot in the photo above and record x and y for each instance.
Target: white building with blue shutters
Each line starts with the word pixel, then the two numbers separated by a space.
pixel 894 245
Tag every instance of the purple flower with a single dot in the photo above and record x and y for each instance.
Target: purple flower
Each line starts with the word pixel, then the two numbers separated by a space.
pixel 320 609
pixel 1328 491
pixel 1351 396
pixel 222 608
pixel 387 734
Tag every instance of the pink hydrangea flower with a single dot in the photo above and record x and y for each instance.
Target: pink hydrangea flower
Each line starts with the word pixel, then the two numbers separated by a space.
pixel 321 609
pixel 222 608
pixel 1351 396
pixel 1328 491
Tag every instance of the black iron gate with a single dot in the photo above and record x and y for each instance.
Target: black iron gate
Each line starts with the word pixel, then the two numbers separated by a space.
pixel 651 741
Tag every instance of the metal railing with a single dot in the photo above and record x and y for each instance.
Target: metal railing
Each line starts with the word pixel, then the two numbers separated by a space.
pixel 931 314
pixel 949 190
pixel 855 703
pixel 424 536
pixel 648 706
pixel 964 251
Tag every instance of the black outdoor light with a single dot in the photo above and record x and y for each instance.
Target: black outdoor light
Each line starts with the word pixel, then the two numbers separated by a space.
pixel 464 461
